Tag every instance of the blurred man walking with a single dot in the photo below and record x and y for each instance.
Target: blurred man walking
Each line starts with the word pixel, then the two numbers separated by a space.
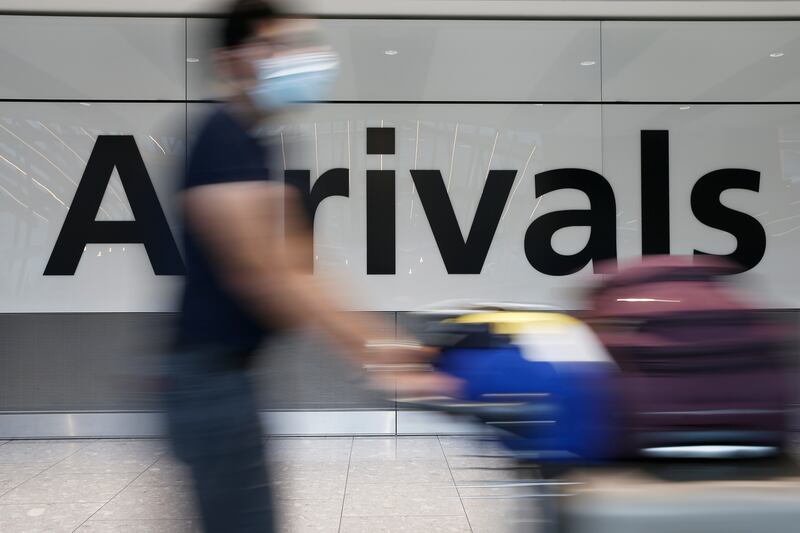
pixel 244 280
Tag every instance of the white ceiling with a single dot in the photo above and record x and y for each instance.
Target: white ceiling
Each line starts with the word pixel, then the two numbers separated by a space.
pixel 500 8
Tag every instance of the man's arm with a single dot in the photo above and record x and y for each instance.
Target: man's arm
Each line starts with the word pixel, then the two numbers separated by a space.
pixel 238 224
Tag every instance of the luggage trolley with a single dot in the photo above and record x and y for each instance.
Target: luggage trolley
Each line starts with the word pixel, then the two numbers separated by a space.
pixel 546 386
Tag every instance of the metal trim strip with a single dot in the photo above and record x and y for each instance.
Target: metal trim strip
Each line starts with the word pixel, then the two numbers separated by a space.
pixel 276 423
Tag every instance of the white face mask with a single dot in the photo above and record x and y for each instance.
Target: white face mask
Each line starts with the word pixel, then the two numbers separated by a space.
pixel 293 79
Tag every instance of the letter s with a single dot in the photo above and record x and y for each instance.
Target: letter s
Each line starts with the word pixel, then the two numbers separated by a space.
pixel 751 239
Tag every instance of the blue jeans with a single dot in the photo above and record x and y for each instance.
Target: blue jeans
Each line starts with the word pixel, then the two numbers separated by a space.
pixel 214 428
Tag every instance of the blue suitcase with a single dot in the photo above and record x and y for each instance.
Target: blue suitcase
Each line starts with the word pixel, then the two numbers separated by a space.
pixel 540 377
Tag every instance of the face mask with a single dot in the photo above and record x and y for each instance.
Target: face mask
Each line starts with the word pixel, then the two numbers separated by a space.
pixel 293 79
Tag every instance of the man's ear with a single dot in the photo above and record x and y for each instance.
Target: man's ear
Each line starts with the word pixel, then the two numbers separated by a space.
pixel 232 67
pixel 222 59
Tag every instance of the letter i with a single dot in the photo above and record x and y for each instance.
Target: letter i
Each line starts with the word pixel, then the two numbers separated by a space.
pixel 381 220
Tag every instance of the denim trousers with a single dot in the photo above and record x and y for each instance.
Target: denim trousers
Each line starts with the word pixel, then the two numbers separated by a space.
pixel 213 427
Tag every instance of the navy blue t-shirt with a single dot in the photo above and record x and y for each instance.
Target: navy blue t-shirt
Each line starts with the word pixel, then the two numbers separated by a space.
pixel 224 152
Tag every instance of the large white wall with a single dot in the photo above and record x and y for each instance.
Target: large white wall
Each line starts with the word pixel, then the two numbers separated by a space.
pixel 464 96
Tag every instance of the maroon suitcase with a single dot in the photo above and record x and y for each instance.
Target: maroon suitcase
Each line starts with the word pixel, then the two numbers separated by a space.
pixel 700 365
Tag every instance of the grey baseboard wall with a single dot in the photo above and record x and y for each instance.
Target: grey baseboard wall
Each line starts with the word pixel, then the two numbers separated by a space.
pixel 102 362
pixel 95 375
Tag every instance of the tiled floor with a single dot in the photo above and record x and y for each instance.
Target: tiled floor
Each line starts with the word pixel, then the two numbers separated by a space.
pixel 347 485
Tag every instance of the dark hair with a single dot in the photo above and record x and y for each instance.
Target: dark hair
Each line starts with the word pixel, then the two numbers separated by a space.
pixel 243 17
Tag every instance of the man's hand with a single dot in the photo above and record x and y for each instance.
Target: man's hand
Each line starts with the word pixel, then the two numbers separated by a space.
pixel 397 352
pixel 430 383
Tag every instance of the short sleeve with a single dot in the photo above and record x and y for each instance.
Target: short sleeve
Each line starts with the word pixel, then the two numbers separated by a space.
pixel 224 152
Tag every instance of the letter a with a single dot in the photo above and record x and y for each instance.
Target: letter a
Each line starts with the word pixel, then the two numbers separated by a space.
pixel 149 227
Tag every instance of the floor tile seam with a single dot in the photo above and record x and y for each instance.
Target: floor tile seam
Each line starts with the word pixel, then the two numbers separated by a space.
pixel 117 494
pixel 41 475
pixel 453 478
pixel 346 479
pixel 2 494
pixel 88 443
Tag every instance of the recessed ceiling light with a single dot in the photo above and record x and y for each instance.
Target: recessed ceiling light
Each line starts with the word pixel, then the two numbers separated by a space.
pixel 776 55
pixel 390 52
pixel 588 63
pixel 685 107
pixel 192 60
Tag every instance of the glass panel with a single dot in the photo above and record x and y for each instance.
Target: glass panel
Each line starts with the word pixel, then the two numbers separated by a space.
pixel 92 57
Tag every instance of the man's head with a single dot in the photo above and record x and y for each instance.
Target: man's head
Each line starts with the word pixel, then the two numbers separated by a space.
pixel 254 31
pixel 245 20
pixel 244 39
